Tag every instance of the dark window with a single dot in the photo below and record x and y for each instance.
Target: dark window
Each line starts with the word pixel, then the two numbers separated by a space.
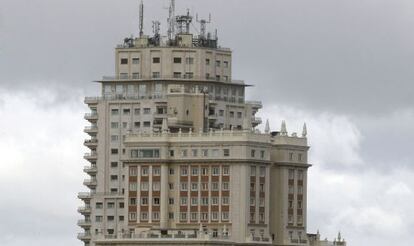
pixel 177 59
pixel 156 60
pixel 124 61
pixel 114 164
pixel 114 151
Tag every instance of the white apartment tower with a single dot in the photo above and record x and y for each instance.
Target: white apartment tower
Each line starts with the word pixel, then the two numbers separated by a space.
pixel 174 154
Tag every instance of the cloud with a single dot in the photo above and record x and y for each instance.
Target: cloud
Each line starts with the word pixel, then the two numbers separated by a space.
pixel 40 171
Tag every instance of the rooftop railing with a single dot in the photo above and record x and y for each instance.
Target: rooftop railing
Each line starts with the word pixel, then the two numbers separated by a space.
pixel 183 77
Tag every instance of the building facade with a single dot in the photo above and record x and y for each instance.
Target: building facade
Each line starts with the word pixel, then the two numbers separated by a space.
pixel 175 156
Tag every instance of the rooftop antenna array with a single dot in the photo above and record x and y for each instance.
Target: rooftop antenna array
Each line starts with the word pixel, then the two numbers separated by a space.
pixel 203 25
pixel 141 19
pixel 156 27
pixel 183 22
pixel 171 20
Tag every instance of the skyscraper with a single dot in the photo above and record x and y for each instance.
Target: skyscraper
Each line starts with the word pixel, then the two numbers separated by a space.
pixel 175 156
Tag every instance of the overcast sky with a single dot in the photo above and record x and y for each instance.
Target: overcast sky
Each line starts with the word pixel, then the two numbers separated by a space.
pixel 344 67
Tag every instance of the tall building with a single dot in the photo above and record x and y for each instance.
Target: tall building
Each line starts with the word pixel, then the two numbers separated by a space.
pixel 175 156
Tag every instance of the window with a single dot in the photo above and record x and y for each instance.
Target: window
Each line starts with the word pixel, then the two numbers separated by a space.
pixel 262 171
pixel 99 205
pixel 135 60
pixel 204 216
pixel 215 171
pixel 124 125
pixel 299 204
pixel 300 175
pixel 204 171
pixel 156 186
pixel 133 171
pixel 114 177
pixel 177 75
pixel 137 124
pixel 300 189
pixel 226 78
pixel 290 156
pixel 132 201
pixel 177 59
pixel 110 218
pixel 147 124
pixel 194 152
pixel 218 63
pixel 171 153
pixel 114 164
pixel 204 186
pixel 171 186
pixel 121 205
pixel 205 152
pixel 144 171
pixel 156 60
pixel 171 201
pixel 183 201
pixel 194 216
pixel 194 186
pixel 124 61
pixel 184 186
pixel 207 61
pixel 214 186
pixel 221 112
pixel 144 186
pixel 262 202
pixel 189 75
pixel 184 171
pixel 114 151
pixel 231 114
pixel 253 153
pixel 171 216
pixel 252 201
pixel 291 189
pixel 156 75
pixel 252 186
pixel 226 152
pixel 98 218
pixel 252 171
pixel 225 185
pixel 121 76
pixel 147 110
pixel 144 216
pixel 114 125
pixel 226 170
pixel 171 171
pixel 184 153
pixel 137 111
pixel 114 111
pixel 239 115
pixel 226 64
pixel 114 138
pixel 183 216
pixel 156 171
pixel 291 174
pixel 207 75
pixel 262 187
pixel 156 201
pixel 121 218
pixel 194 171
pixel 218 77
pixel 144 201
pixel 194 201
pixel 225 215
pixel 262 154
pixel 261 217
pixel 189 60
pixel 214 201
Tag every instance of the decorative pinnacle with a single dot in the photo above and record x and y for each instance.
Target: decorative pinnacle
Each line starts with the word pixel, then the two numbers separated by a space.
pixel 283 129
pixel 267 128
pixel 305 131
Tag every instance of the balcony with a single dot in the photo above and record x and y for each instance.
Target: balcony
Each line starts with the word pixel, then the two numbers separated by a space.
pixel 91 100
pixel 90 183
pixel 91 142
pixel 256 121
pixel 90 156
pixel 92 117
pixel 85 210
pixel 255 104
pixel 91 129
pixel 85 195
pixel 90 169
pixel 84 223
pixel 86 236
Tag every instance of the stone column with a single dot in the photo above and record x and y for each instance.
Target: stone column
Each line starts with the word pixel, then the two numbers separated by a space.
pixel 164 197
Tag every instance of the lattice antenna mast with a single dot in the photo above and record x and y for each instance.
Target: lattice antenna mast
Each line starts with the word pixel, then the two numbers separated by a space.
pixel 203 25
pixel 156 28
pixel 171 20
pixel 183 22
pixel 141 19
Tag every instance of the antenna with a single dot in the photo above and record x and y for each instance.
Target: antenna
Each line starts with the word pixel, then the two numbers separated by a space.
pixel 141 19
pixel 156 28
pixel 203 25
pixel 183 22
pixel 171 20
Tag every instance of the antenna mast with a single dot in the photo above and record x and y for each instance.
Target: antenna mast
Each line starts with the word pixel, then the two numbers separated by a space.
pixel 203 25
pixel 141 19
pixel 171 20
